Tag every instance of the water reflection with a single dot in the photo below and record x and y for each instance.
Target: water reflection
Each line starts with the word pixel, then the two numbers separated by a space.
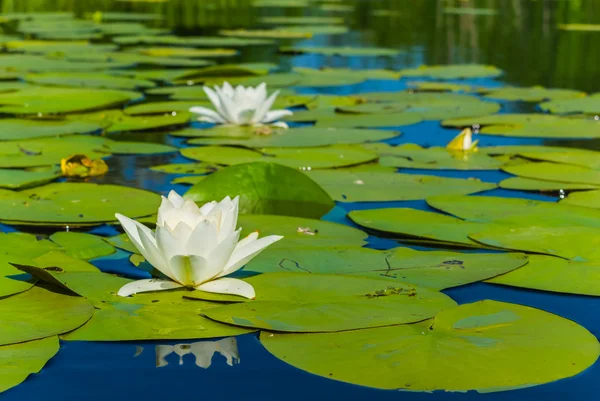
pixel 203 352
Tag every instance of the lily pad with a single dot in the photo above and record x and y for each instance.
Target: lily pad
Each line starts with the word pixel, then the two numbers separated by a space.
pixel 575 157
pixel 292 193
pixel 88 80
pixel 548 273
pixel 296 302
pixel 532 94
pixel 21 179
pixel 531 184
pixel 315 29
pixel 456 71
pixel 431 269
pixel 39 313
pixel 185 52
pixel 117 121
pixel 470 11
pixel 265 33
pixel 301 137
pixel 300 158
pixel 530 125
pixel 555 172
pixel 81 245
pixel 341 51
pixel 580 27
pixel 357 186
pixel 459 342
pixel 185 168
pixel 302 20
pixel 189 41
pixel 17 361
pixel 587 105
pixel 590 199
pixel 75 204
pixel 11 129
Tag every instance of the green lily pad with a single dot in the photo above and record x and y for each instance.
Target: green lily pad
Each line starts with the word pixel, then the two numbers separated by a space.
pixel 315 29
pixel 185 52
pixel 456 71
pixel 580 27
pixel 470 11
pixel 188 179
pixel 419 224
pixel 459 343
pixel 357 186
pixel 88 80
pixel 129 28
pixel 41 63
pixel 555 172
pixel 39 313
pixel 63 100
pixel 302 20
pixel 136 59
pixel 532 94
pixel 185 168
pixel 117 121
pixel 530 125
pixel 75 204
pixel 82 245
pixel 281 33
pixel 435 158
pixel 21 179
pixel 17 361
pixel 300 158
pixel 531 184
pixel 431 269
pixel 296 302
pixel 130 16
pixel 292 193
pixel 11 129
pixel 590 199
pixel 575 157
pixel 587 105
pixel 440 86
pixel 301 232
pixel 301 137
pixel 55 47
pixel 341 51
pixel 189 41
pixel 160 108
pixel 122 241
pixel 547 273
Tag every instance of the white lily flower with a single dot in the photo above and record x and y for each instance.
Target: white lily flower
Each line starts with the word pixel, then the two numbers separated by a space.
pixel 194 247
pixel 241 106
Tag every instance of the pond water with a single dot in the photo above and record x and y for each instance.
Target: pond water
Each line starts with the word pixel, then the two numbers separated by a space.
pixel 520 37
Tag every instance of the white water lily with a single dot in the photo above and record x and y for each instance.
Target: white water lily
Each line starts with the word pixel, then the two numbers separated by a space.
pixel 194 247
pixel 241 106
pixel 464 141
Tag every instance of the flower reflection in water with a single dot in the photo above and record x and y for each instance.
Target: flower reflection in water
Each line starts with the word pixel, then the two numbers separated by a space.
pixel 203 351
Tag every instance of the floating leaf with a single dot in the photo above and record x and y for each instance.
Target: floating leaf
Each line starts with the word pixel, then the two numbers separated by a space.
pixel 302 20
pixel 300 158
pixel 555 172
pixel 470 11
pixel 185 168
pixel 587 105
pixel 295 302
pixel 292 193
pixel 315 29
pixel 575 157
pixel 265 33
pixel 440 86
pixel 580 27
pixel 589 199
pixel 82 245
pixel 531 184
pixel 531 94
pixel 189 41
pixel 88 80
pixel 341 51
pixel 17 361
pixel 459 343
pixel 453 71
pixel 117 121
pixel 357 186
pixel 21 179
pixel 184 52
pixel 11 129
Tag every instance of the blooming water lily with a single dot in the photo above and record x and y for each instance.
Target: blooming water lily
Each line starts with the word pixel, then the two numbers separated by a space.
pixel 194 247
pixel 464 142
pixel 241 106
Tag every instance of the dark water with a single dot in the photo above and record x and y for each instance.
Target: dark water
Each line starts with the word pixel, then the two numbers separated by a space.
pixel 522 39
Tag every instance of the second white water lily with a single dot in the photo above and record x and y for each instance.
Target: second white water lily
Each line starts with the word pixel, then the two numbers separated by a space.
pixel 241 106
pixel 194 247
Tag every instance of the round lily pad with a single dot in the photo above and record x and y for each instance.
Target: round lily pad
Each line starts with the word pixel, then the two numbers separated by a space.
pixel 265 188
pixel 186 52
pixel 531 184
pixel 117 121
pixel 453 71
pixel 75 204
pixel 295 302
pixel 20 179
pixel 587 105
pixel 302 20
pixel 555 172
pixel 88 80
pixel 82 245
pixel 300 158
pixel 589 199
pixel 185 168
pixel 340 51
pixel 358 186
pixel 532 94
pixel 12 129
pixel 459 343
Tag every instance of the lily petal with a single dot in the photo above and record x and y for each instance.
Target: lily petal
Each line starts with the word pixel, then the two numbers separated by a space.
pixel 208 113
pixel 275 115
pixel 280 124
pixel 130 227
pixel 190 270
pixel 152 254
pixel 231 286
pixel 243 254
pixel 147 285
pixel 264 108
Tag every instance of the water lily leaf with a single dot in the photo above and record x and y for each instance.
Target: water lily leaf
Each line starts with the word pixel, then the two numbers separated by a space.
pixel 41 63
pixel 188 179
pixel 590 199
pixel 419 224
pixel 346 51
pixel 440 86
pixel 469 11
pixel 63 100
pixel 531 184
pixel 53 259
pixel 301 137
pixel 555 172
pixel 531 94
pixel 280 3
pixel 575 157
pixel 127 16
pixel 129 28
pixel 39 313
pixel 160 108
pixel 82 245
pixel 453 71
pixel 435 158
pixel 21 179
pixel 185 52
pixel 185 168
pixel 300 158
pixel 302 20
pixel 356 186
pixel 292 193
pixel 88 80
pixel 135 59
pixel 548 273
pixel 11 129
pixel 17 361
pixel 530 125
pixel 587 105
pixel 341 120
pixel 280 33
pixel 75 204
pixel 189 41
pixel 431 269
pixel 55 47
pixel 117 121
pixel 315 29
pixel 459 342
pixel 296 302
pixel 301 232
pixel 580 27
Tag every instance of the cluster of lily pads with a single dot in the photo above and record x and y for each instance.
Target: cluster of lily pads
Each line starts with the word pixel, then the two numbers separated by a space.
pixel 323 302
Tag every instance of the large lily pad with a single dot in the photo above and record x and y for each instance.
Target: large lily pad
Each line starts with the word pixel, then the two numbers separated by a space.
pixel 82 245
pixel 75 204
pixel 453 71
pixel 555 172
pixel 531 184
pixel 21 179
pixel 589 199
pixel 295 302
pixel 12 129
pixel 17 361
pixel 587 105
pixel 532 94
pixel 186 52
pixel 340 51
pixel 89 80
pixel 431 269
pixel 265 188
pixel 512 343
pixel 530 125
pixel 300 158
pixel 189 41
pixel 185 168
pixel 575 157
pixel 39 313
pixel 302 20
pixel 359 186
pixel 117 121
